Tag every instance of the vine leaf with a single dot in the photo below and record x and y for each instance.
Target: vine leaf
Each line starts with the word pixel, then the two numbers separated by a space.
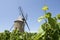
pixel 41 18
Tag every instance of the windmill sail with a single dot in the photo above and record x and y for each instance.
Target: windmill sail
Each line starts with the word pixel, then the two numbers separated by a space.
pixel 24 18
pixel 11 27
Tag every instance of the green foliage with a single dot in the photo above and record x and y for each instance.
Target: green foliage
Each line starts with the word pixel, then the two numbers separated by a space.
pixel 5 35
pixel 51 28
pixel 58 16
pixel 48 15
pixel 16 35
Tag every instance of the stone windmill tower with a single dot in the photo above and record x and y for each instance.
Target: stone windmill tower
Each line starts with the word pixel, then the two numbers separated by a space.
pixel 20 22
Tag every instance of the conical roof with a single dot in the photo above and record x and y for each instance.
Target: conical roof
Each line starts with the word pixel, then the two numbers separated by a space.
pixel 19 18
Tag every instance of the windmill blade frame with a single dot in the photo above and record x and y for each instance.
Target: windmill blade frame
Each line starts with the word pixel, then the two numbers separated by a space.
pixel 21 11
pixel 27 25
pixel 11 27
pixel 24 18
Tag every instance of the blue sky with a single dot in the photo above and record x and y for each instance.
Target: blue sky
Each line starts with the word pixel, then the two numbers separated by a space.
pixel 9 12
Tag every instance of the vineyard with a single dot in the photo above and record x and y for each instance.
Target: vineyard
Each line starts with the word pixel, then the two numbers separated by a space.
pixel 50 30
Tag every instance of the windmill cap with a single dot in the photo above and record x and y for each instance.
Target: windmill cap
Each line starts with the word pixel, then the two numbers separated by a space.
pixel 20 18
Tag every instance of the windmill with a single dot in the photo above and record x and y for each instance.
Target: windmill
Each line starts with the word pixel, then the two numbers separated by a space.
pixel 20 23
